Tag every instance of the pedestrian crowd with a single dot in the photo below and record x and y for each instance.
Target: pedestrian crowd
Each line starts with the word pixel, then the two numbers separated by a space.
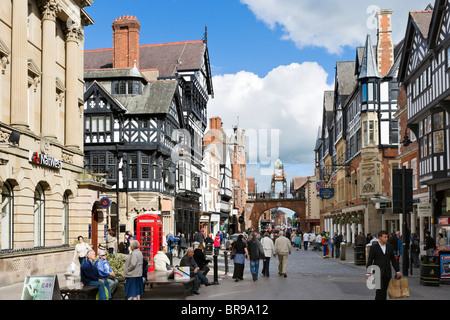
pixel 258 248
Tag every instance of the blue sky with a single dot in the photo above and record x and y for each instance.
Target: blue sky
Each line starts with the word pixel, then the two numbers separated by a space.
pixel 237 40
pixel 271 59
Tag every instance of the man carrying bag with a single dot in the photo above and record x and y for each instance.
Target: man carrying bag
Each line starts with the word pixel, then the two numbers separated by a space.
pixel 382 255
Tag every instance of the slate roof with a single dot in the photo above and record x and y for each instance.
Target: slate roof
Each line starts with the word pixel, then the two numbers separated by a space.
pixel 156 98
pixel 166 57
pixel 369 68
pixel 328 103
pixel 422 20
pixel 345 73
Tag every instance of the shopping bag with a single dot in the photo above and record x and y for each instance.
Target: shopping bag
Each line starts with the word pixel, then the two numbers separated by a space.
pixel 97 297
pixel 398 288
pixel 72 269
pixel 181 273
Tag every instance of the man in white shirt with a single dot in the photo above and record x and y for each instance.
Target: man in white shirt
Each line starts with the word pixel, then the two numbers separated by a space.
pixel 305 240
pixel 319 242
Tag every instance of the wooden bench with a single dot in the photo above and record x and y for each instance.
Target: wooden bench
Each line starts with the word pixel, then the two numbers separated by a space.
pixel 78 292
pixel 156 277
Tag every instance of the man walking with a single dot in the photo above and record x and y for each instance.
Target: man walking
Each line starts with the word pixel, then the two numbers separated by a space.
pixel 305 240
pixel 382 255
pixel 255 251
pixel 283 250
pixel 337 245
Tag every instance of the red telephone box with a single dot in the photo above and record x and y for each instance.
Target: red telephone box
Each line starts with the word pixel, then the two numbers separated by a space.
pixel 149 235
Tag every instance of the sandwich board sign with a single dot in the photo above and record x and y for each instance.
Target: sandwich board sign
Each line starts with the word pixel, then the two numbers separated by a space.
pixel 41 288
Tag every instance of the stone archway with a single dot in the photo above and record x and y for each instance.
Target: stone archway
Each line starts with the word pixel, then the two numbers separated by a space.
pixel 254 208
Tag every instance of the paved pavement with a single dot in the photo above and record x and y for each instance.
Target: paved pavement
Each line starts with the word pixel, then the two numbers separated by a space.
pixel 310 277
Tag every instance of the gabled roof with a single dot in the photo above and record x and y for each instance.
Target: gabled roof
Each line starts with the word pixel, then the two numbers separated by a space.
pixel 436 22
pixel 369 68
pixel 418 22
pixel 97 87
pixel 166 57
pixel 422 21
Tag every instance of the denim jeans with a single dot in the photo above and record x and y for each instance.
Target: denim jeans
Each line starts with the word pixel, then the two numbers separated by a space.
pixel 199 278
pixel 266 264
pixel 254 267
pixel 101 289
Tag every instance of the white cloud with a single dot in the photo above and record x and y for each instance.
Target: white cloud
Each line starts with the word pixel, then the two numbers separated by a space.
pixel 331 24
pixel 289 98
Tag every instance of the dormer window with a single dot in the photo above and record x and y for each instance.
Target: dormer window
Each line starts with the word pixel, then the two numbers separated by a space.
pixel 126 87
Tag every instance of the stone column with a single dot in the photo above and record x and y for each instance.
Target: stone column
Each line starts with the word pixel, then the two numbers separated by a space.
pixel 50 9
pixel 19 65
pixel 73 135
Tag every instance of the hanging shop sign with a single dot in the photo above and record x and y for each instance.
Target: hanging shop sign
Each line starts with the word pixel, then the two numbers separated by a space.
pixel 105 202
pixel 43 160
pixel 326 193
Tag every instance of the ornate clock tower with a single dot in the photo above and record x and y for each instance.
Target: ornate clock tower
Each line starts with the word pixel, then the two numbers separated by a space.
pixel 279 176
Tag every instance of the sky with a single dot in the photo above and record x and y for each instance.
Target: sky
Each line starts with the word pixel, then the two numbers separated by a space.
pixel 271 61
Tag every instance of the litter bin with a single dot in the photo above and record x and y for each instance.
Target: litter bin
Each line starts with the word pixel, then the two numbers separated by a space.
pixel 360 255
pixel 342 253
pixel 209 249
pixel 429 271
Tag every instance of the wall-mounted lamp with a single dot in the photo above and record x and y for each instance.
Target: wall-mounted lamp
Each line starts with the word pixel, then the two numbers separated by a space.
pixel 406 141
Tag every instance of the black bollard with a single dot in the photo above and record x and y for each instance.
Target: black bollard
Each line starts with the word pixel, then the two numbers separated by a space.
pixel 216 271
pixel 225 256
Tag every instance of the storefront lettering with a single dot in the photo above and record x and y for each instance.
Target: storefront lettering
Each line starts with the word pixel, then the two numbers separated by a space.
pixel 44 160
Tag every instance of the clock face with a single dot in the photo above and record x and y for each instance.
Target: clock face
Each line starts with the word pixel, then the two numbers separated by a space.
pixel 278 172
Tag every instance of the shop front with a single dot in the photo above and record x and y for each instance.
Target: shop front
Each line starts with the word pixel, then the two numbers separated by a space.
pixel 214 223
pixel 204 222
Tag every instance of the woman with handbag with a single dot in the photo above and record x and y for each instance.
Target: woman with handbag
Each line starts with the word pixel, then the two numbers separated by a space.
pixel 240 248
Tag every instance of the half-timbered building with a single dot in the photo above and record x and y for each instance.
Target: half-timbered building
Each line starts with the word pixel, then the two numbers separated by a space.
pixel 359 138
pixel 144 117
pixel 424 72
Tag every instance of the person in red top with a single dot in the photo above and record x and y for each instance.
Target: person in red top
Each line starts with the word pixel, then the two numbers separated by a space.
pixel 217 244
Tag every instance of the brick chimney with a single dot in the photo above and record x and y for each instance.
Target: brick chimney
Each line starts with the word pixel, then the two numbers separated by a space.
pixel 215 123
pixel 385 47
pixel 126 42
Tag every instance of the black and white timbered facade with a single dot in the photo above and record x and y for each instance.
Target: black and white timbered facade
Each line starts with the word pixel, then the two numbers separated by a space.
pixel 425 74
pixel 143 124
pixel 359 137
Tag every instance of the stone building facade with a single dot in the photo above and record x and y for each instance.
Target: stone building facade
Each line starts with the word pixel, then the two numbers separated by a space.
pixel 47 200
